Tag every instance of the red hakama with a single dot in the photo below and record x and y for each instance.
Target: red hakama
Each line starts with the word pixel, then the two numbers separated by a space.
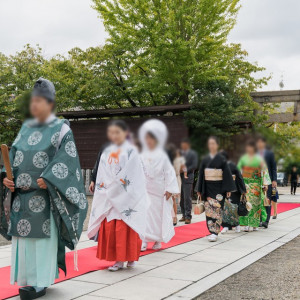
pixel 118 242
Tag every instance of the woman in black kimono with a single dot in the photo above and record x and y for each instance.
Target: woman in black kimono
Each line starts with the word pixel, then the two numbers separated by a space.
pixel 215 183
pixel 232 218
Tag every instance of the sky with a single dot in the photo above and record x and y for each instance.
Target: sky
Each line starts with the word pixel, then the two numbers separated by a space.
pixel 268 29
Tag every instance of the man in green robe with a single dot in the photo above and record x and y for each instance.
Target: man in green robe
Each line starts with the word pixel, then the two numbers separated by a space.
pixel 49 204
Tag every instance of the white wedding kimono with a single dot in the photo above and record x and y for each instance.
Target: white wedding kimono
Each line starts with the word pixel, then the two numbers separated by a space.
pixel 160 178
pixel 120 190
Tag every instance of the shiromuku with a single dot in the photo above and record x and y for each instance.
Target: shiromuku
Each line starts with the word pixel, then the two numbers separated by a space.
pixel 120 201
pixel 49 204
pixel 161 183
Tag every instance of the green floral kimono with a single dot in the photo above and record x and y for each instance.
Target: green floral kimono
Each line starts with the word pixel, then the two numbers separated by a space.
pixel 62 207
pixel 256 175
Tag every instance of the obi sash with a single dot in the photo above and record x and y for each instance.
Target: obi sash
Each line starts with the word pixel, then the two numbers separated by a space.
pixel 213 174
pixel 252 172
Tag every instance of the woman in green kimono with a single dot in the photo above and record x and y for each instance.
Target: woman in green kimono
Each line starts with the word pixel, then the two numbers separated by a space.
pixel 48 201
pixel 257 179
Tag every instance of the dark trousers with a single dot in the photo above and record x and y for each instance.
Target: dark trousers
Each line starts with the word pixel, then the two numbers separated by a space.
pixel 186 200
pixel 293 187
pixel 268 208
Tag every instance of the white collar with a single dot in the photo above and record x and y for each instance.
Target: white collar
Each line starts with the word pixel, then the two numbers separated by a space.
pixel 48 120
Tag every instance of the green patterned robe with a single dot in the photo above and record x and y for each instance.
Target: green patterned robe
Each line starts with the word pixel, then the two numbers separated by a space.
pixel 35 154
pixel 256 175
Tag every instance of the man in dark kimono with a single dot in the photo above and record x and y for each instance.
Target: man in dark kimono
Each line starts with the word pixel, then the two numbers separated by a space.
pixel 191 161
pixel 269 158
pixel 215 183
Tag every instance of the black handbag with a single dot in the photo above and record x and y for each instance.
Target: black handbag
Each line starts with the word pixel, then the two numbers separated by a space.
pixel 242 208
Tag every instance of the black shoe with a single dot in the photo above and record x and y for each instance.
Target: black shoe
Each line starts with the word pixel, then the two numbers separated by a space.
pixel 274 217
pixel 182 219
pixel 265 225
pixel 29 293
pixel 260 224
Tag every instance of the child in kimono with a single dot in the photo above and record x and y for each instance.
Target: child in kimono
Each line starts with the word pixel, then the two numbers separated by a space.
pixel 49 204
pixel 161 184
pixel 214 184
pixel 120 201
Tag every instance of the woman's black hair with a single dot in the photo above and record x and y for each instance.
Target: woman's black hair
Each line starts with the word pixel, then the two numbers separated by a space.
pixel 251 143
pixel 215 138
pixel 152 135
pixel 119 123
pixel 224 154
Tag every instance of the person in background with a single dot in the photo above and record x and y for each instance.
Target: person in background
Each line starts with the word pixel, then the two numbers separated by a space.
pixel 49 204
pixel 235 196
pixel 294 179
pixel 161 184
pixel 191 160
pixel 274 199
pixel 120 201
pixel 179 164
pixel 257 180
pixel 269 158
pixel 215 183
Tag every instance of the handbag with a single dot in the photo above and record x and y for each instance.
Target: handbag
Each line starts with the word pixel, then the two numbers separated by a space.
pixel 199 207
pixel 242 208
pixel 230 213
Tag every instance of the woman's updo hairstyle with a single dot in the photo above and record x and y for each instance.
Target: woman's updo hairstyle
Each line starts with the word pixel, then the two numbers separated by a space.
pixel 215 138
pixel 119 123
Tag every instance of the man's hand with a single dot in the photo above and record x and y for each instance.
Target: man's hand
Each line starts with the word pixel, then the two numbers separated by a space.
pixel 41 183
pixel 199 194
pixel 228 194
pixel 92 187
pixel 168 195
pixel 9 184
pixel 274 184
pixel 265 188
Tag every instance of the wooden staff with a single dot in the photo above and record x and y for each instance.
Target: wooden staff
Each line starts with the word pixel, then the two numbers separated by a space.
pixel 5 155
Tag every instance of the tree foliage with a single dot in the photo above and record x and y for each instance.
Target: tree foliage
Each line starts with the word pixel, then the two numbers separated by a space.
pixel 159 52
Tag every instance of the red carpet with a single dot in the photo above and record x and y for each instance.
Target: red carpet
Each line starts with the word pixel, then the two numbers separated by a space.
pixel 87 261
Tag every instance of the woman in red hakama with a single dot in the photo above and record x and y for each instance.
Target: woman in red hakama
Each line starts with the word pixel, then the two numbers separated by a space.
pixel 118 242
pixel 120 201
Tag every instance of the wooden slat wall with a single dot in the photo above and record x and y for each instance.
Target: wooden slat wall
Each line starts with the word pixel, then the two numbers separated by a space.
pixel 90 135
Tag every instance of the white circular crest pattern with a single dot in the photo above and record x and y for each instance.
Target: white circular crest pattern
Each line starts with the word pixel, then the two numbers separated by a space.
pixel 60 170
pixel 61 206
pixel 41 159
pixel 54 139
pixel 73 195
pixel 19 157
pixel 46 227
pixel 75 221
pixel 82 201
pixel 16 204
pixel 35 138
pixel 24 181
pixel 23 227
pixel 71 149
pixel 37 204
pixel 77 174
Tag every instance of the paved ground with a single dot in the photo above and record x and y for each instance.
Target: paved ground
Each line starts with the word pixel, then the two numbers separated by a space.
pixel 276 276
pixel 191 269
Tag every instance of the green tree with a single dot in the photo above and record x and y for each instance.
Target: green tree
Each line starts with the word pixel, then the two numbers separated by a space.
pixel 170 46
